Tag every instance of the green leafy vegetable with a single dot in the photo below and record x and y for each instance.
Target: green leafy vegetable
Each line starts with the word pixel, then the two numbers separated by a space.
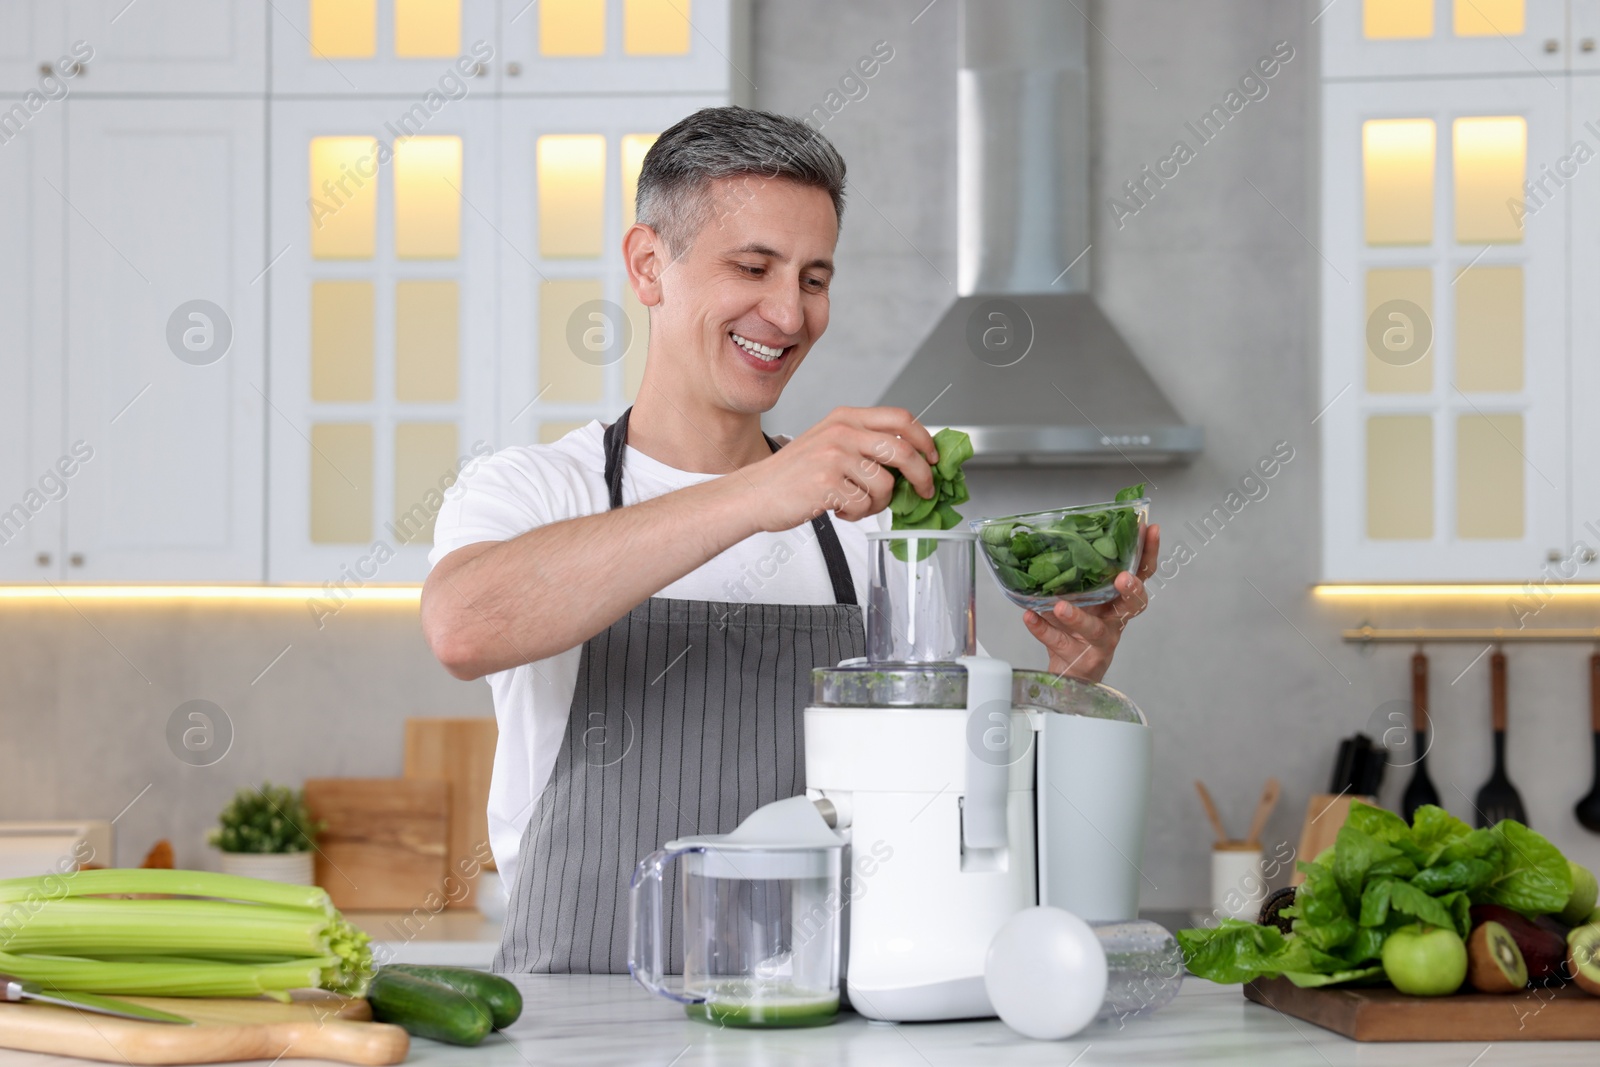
pixel 910 511
pixel 1379 876
pixel 1080 550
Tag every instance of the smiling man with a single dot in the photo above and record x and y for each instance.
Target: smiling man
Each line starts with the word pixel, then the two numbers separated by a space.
pixel 648 598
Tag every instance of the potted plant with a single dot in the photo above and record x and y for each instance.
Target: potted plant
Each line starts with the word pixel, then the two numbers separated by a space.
pixel 267 833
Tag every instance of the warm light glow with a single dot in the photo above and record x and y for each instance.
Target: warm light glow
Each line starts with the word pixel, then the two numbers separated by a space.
pixel 572 27
pixel 655 27
pixel 1491 159
pixel 341 341
pixel 427 28
pixel 1489 18
pixel 427 341
pixel 1499 590
pixel 406 594
pixel 346 29
pixel 572 183
pixel 344 197
pixel 1387 20
pixel 634 147
pixel 427 197
pixel 1397 166
pixel 564 377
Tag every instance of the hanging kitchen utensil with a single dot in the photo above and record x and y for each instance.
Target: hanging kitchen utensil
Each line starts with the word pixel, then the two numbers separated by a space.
pixel 1588 809
pixel 1498 799
pixel 1420 790
pixel 1211 810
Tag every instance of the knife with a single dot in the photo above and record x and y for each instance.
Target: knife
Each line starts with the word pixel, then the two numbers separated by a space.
pixel 17 989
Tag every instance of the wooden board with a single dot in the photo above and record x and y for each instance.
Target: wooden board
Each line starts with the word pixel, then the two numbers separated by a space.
pixel 1382 1014
pixel 460 752
pixel 1325 815
pixel 384 845
pixel 315 1026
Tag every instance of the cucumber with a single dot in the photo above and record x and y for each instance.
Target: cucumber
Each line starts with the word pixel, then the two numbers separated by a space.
pixel 505 1003
pixel 428 1009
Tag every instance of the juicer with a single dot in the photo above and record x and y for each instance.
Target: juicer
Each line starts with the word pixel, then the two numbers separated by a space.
pixel 978 790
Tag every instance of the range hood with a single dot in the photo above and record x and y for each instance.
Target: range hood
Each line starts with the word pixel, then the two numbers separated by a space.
pixel 1024 360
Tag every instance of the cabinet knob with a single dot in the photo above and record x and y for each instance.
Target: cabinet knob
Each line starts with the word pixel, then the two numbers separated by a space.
pixel 1587 44
pixel 42 559
pixel 1554 556
pixel 1589 555
pixel 76 559
pixel 513 70
pixel 46 69
pixel 1552 45
pixel 479 70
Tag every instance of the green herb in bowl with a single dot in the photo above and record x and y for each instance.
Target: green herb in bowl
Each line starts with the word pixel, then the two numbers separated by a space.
pixel 1071 554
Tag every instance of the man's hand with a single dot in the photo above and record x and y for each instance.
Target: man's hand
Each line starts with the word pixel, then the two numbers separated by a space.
pixel 1081 641
pixel 838 466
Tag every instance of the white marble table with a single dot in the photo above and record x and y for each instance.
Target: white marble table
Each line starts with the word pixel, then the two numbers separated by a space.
pixel 588 1020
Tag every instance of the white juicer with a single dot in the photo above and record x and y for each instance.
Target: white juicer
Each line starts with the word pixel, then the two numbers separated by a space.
pixel 968 791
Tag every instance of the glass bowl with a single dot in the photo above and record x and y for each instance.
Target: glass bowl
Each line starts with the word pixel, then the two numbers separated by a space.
pixel 1072 554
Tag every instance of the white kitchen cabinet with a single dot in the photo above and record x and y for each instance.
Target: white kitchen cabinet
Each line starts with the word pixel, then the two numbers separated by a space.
pixel 32 37
pixel 1583 396
pixel 31 489
pixel 571 47
pixel 1449 460
pixel 1408 38
pixel 383 293
pixel 191 47
pixel 432 50
pixel 573 336
pixel 165 209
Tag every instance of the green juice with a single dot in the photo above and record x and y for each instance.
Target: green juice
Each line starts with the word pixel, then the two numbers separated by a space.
pixel 782 1009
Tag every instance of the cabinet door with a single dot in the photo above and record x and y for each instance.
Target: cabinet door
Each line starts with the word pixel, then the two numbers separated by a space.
pixel 383 296
pixel 164 313
pixel 573 336
pixel 1584 303
pixel 625 46
pixel 31 488
pixel 1444 350
pixel 171 46
pixel 436 51
pixel 1401 38
pixel 32 37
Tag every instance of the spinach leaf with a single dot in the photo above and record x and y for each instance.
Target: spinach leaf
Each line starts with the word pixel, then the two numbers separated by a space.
pixel 910 511
pixel 1099 545
pixel 1534 878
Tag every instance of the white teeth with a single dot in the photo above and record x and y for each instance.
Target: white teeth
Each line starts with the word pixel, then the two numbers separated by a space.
pixel 755 348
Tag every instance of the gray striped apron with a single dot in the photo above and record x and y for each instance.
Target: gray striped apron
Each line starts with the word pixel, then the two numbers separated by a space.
pixel 686 717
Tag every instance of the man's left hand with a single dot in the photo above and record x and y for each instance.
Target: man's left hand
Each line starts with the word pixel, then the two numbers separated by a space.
pixel 1081 641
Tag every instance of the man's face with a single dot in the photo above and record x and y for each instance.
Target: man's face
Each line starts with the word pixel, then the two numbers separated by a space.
pixel 757 274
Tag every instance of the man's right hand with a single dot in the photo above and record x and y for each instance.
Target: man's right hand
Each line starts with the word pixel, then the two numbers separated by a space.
pixel 839 465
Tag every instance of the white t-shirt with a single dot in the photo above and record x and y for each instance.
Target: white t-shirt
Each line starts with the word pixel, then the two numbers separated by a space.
pixel 519 488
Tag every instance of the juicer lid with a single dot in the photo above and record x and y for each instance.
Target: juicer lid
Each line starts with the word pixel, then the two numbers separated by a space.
pixel 792 825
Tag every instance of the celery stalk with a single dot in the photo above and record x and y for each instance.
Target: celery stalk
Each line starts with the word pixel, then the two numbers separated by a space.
pixel 185 978
pixel 178 927
pixel 173 883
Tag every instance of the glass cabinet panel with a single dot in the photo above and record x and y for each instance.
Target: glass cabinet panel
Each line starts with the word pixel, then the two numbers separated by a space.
pixel 341 482
pixel 1490 163
pixel 655 27
pixel 1389 20
pixel 572 27
pixel 427 197
pixel 1397 164
pixel 424 465
pixel 1489 477
pixel 1489 18
pixel 571 180
pixel 424 28
pixel 1489 330
pixel 344 29
pixel 634 148
pixel 1400 477
pixel 427 345
pixel 344 197
pixel 564 378
pixel 341 341
pixel 1399 337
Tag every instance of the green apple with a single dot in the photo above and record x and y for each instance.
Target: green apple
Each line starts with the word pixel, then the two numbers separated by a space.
pixel 1425 961
pixel 1584 892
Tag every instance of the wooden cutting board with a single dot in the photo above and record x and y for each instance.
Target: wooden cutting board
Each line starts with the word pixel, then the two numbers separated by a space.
pixel 315 1026
pixel 1383 1014
pixel 460 752
pixel 385 842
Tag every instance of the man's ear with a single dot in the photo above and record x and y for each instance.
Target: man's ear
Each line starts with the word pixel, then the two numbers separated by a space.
pixel 644 253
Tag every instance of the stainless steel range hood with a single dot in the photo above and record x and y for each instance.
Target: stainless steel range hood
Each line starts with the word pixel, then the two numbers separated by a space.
pixel 1028 364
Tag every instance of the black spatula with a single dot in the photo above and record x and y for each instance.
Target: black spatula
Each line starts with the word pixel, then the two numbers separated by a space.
pixel 1420 791
pixel 1588 810
pixel 1498 799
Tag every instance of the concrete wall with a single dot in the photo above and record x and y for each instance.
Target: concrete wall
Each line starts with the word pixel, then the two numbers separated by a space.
pixel 1242 672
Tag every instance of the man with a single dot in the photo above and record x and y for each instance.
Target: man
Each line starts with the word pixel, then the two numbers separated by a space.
pixel 648 599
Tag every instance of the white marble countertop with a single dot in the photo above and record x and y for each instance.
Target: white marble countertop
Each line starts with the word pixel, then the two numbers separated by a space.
pixel 452 938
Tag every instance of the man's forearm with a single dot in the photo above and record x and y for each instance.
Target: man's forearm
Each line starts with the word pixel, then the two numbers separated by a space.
pixel 493 606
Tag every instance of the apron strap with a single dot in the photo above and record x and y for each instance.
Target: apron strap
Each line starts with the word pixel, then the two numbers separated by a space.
pixel 844 586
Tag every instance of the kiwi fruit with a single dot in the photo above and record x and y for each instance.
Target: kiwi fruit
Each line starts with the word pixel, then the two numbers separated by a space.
pixel 1494 962
pixel 1583 958
pixel 1272 908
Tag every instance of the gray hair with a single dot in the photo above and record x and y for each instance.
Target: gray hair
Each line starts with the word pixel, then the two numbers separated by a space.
pixel 675 196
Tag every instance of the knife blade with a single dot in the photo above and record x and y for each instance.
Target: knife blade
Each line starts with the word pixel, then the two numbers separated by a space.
pixel 16 989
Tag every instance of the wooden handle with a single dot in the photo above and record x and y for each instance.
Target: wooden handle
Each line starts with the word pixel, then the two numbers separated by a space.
pixel 1269 800
pixel 1211 810
pixel 332 1039
pixel 1594 692
pixel 1419 692
pixel 1497 690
